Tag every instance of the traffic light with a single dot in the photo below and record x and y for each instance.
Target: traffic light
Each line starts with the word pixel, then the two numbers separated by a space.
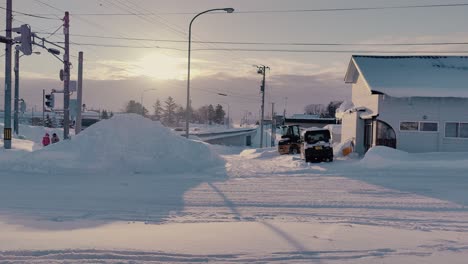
pixel 4 39
pixel 49 101
pixel 26 38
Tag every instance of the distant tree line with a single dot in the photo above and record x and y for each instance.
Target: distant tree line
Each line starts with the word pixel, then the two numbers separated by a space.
pixel 105 114
pixel 325 111
pixel 172 114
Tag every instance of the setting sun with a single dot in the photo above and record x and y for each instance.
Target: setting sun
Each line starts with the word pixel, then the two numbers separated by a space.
pixel 162 66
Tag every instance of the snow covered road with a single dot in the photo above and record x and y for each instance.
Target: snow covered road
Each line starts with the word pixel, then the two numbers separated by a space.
pixel 263 209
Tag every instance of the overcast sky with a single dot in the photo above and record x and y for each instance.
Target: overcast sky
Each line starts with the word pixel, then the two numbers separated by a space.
pixel 114 75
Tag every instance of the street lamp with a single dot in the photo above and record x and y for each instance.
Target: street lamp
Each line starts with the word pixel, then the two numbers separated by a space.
pixel 141 100
pixel 187 109
pixel 16 103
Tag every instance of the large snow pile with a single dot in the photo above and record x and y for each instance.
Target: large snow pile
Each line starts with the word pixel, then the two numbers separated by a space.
pixel 124 143
pixel 384 157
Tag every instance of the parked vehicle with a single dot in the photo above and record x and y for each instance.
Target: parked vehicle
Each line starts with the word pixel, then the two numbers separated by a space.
pixel 290 142
pixel 316 145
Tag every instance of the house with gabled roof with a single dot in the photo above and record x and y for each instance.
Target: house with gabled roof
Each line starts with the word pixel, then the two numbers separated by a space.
pixel 411 103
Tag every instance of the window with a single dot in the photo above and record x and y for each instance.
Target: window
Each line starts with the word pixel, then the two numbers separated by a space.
pixel 420 126
pixel 451 129
pixel 385 135
pixel 456 130
pixel 464 130
pixel 312 137
pixel 409 126
pixel 429 126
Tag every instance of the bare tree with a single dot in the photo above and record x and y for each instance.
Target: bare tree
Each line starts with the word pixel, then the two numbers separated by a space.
pixel 315 109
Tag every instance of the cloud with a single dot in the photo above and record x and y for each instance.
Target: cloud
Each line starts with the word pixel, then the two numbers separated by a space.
pixel 243 91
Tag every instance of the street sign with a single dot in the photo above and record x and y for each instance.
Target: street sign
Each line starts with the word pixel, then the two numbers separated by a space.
pixel 72 86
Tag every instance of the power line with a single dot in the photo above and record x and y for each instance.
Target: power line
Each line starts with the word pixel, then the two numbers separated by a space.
pixel 268 50
pixel 55 32
pixel 351 9
pixel 29 15
pixel 50 6
pixel 122 46
pixel 274 43
pixel 277 11
pixel 334 51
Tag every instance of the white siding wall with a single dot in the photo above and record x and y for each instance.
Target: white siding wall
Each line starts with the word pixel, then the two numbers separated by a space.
pixel 441 110
pixel 352 127
pixel 362 96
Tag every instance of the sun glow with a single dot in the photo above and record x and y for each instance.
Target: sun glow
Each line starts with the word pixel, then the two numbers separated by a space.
pixel 162 66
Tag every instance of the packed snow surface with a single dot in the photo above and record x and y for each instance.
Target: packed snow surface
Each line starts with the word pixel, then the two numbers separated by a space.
pixel 123 143
pixel 261 207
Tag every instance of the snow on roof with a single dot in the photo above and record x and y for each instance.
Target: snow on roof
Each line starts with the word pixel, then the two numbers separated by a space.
pixel 312 129
pixel 309 117
pixel 304 116
pixel 412 76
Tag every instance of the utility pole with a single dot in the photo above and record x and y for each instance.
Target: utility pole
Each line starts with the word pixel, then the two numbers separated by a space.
pixel 79 96
pixel 8 46
pixel 273 125
pixel 66 77
pixel 262 70
pixel 284 112
pixel 16 106
pixel 43 108
pixel 263 108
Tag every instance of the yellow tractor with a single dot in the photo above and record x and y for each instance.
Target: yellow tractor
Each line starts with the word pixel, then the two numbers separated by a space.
pixel 290 142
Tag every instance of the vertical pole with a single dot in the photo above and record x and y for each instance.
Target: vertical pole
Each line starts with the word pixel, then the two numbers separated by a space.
pixel 66 80
pixel 43 107
pixel 273 125
pixel 263 107
pixel 229 117
pixel 16 102
pixel 8 46
pixel 79 96
pixel 284 112
pixel 187 108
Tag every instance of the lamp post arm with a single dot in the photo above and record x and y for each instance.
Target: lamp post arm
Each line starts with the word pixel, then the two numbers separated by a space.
pixel 187 108
pixel 204 12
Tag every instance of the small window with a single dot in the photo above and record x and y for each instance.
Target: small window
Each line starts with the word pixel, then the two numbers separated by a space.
pixel 409 126
pixel 464 130
pixel 451 129
pixel 429 126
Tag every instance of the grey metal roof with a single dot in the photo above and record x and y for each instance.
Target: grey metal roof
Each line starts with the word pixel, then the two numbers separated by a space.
pixel 412 76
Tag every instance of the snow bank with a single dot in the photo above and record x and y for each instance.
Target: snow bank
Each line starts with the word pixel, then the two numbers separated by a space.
pixel 35 133
pixel 343 149
pixel 384 157
pixel 124 143
pixel 264 153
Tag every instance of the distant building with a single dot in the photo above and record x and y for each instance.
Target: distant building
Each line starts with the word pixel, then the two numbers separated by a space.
pixel 307 121
pixel 412 103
